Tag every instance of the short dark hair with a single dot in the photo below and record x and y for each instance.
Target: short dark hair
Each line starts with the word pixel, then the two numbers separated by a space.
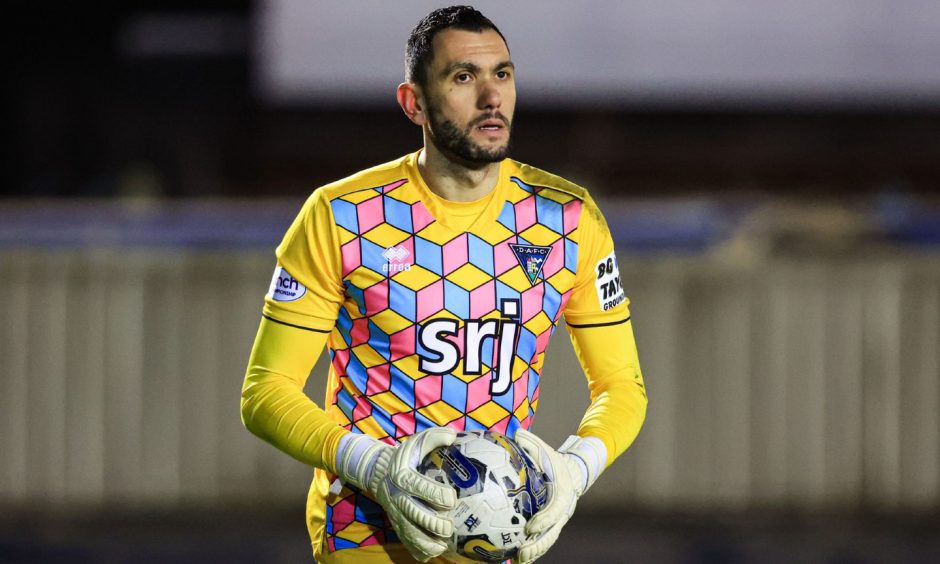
pixel 419 51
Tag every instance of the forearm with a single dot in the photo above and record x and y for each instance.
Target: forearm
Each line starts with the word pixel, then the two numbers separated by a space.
pixel 618 396
pixel 273 404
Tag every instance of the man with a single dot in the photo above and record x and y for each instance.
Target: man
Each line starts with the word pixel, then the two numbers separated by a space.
pixel 436 281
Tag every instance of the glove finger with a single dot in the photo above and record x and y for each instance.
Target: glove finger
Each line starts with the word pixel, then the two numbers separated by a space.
pixel 549 514
pixel 413 451
pixel 556 513
pixel 529 552
pixel 422 546
pixel 424 518
pixel 429 440
pixel 537 449
pixel 437 495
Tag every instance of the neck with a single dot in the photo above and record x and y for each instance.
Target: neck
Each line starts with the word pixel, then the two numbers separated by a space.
pixel 454 181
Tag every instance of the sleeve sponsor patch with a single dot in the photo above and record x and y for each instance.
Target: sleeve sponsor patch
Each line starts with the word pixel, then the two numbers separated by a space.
pixel 607 282
pixel 284 287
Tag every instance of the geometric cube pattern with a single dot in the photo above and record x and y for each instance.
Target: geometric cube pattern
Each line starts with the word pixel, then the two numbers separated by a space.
pixel 402 270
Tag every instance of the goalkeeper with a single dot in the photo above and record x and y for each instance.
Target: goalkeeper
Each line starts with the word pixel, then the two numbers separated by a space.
pixel 435 282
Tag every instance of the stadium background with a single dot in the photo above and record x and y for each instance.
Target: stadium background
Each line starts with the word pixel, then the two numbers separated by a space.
pixel 770 172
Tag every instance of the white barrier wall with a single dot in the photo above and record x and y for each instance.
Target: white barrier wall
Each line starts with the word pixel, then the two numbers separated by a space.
pixel 800 383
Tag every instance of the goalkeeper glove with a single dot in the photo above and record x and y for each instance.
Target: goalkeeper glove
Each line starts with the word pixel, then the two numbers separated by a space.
pixel 389 474
pixel 570 471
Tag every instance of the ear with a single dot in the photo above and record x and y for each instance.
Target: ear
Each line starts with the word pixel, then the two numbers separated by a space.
pixel 409 98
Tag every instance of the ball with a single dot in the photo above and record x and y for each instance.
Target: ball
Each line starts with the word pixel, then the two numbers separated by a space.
pixel 499 489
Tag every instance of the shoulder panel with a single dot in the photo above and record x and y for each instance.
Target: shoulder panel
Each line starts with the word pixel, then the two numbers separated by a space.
pixel 537 177
pixel 374 177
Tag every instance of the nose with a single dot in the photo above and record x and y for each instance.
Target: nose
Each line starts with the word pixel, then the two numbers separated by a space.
pixel 490 97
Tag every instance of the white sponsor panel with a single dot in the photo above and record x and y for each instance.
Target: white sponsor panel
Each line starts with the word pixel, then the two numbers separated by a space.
pixel 607 282
pixel 284 287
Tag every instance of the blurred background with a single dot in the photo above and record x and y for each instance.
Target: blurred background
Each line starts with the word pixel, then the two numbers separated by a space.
pixel 770 172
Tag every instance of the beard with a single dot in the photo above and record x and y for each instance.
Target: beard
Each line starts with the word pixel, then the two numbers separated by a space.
pixel 457 145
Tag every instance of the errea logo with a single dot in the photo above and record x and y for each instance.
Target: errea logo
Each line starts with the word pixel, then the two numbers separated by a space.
pixel 397 259
pixel 284 287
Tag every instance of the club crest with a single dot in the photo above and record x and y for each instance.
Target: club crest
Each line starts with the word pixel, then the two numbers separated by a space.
pixel 532 258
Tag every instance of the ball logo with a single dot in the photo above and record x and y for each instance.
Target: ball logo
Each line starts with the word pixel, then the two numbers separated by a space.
pixel 284 287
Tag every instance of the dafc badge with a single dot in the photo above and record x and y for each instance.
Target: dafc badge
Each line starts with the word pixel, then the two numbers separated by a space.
pixel 532 259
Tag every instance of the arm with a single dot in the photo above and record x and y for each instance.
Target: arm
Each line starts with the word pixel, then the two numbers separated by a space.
pixel 608 355
pixel 274 406
pixel 598 321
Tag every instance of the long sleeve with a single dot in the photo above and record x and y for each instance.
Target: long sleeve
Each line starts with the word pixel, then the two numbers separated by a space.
pixel 608 356
pixel 300 310
pixel 274 406
pixel 598 321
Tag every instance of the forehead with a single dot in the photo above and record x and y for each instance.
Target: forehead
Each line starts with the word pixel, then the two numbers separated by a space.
pixel 452 45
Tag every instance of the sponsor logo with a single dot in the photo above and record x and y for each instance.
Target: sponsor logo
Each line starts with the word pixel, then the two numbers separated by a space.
pixel 608 284
pixel 284 287
pixel 443 356
pixel 531 258
pixel 396 258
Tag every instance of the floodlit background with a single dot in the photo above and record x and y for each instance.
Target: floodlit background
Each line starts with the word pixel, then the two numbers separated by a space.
pixel 770 172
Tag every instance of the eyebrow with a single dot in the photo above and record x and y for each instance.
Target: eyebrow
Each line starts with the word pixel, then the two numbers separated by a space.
pixel 468 66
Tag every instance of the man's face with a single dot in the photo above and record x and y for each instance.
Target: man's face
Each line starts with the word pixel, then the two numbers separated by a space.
pixel 470 96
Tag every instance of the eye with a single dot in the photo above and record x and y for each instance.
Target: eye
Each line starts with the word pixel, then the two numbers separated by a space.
pixel 503 74
pixel 463 77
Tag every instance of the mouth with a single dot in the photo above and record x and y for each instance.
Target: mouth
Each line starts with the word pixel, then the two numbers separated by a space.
pixel 491 125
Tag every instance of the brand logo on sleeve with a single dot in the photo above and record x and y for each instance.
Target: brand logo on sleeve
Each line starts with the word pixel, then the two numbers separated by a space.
pixel 284 287
pixel 397 259
pixel 532 258
pixel 607 282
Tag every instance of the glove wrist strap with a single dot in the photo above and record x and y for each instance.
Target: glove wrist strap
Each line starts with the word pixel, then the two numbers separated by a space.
pixel 591 456
pixel 356 458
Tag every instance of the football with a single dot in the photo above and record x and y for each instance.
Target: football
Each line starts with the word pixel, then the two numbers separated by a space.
pixel 499 489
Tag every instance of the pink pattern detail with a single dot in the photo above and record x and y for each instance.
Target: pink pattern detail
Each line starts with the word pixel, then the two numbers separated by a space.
pixel 344 513
pixel 430 300
pixel 340 361
pixel 369 540
pixel 519 389
pixel 555 261
pixel 371 213
pixel 379 379
pixel 404 424
pixel 352 257
pixel 376 297
pixel 501 425
pixel 532 302
pixel 571 215
pixel 483 300
pixel 541 342
pixel 478 392
pixel 503 258
pixel 389 187
pixel 455 254
pixel 402 344
pixel 459 424
pixel 420 217
pixel 427 390
pixel 359 334
pixel 525 214
pixel 362 410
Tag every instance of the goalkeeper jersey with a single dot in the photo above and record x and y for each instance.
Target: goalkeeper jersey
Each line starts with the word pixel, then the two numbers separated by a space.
pixel 437 313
